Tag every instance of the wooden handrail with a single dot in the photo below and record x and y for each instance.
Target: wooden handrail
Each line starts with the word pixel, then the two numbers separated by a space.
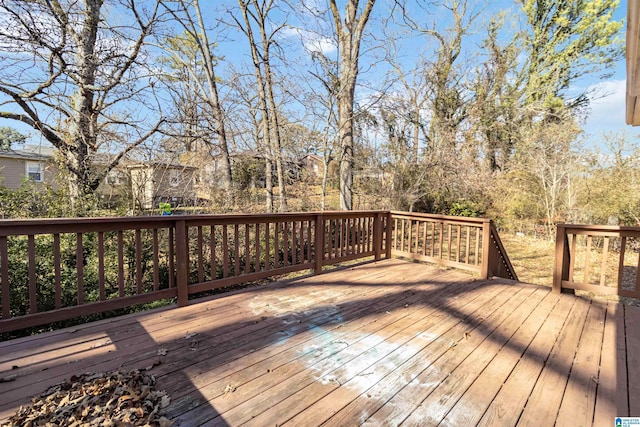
pixel 579 245
pixel 471 244
pixel 56 269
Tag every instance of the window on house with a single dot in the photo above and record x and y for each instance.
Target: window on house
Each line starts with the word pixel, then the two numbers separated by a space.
pixel 34 171
pixel 174 177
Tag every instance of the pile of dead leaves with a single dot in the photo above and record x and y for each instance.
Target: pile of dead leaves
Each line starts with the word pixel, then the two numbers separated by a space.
pixel 112 399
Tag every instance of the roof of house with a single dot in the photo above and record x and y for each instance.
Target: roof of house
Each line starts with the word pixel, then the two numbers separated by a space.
pixel 29 152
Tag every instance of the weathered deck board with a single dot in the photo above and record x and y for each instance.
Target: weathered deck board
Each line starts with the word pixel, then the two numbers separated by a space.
pixel 384 343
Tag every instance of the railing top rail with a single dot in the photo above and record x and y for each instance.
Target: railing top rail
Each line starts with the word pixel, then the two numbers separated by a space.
pixel 13 227
pixel 601 228
pixel 441 217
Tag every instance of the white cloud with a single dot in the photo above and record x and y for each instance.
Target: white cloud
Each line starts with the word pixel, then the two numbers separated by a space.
pixel 607 106
pixel 313 42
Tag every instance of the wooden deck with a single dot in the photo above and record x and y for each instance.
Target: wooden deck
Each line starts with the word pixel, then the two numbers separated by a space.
pixel 384 343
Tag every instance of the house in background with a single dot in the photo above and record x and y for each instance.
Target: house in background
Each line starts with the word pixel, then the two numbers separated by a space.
pixel 35 163
pixel 312 166
pixel 155 182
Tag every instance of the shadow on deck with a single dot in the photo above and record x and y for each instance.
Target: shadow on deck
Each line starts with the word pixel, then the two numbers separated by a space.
pixel 384 343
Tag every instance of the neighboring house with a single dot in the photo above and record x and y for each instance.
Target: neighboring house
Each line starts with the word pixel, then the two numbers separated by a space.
pixel 31 162
pixel 312 166
pixel 155 182
pixel 292 169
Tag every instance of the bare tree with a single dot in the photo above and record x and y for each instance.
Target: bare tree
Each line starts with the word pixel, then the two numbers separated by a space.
pixel 256 13
pixel 349 31
pixel 189 15
pixel 71 73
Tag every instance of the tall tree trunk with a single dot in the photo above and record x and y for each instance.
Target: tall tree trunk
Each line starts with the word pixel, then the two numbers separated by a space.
pixel 349 38
pixel 214 101
pixel 268 182
pixel 275 126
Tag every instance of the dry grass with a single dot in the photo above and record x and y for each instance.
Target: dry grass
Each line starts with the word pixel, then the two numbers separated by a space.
pixel 531 258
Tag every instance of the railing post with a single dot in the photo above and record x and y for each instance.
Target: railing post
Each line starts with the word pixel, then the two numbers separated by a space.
pixel 377 236
pixel 319 243
pixel 486 250
pixel 561 259
pixel 182 269
pixel 388 230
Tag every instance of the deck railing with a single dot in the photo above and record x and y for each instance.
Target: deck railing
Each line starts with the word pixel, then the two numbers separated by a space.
pixel 56 269
pixel 597 258
pixel 471 244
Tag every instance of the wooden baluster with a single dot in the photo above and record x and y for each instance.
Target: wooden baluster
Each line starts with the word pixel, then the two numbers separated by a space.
pixel 410 234
pixel 100 266
pixel 267 249
pixel 276 245
pixel 31 256
pixel 120 264
pixel 301 243
pixel 182 262
pixel 319 242
pixel 200 255
pixel 285 245
pixel 309 241
pixel 603 268
pixel 449 247
pixel 138 234
pixel 172 270
pixel 225 251
pixel 257 248
pixel 572 259
pixel 236 250
pixel 623 247
pixel 294 243
pixel 247 251
pixel 4 276
pixel 156 261
pixel 467 245
pixel 587 261
pixel 477 253
pixel 458 243
pixel 57 275
pixel 212 249
pixel 80 267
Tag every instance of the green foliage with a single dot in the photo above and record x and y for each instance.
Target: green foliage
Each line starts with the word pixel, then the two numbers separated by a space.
pixel 466 208
pixel 10 136
pixel 33 201
pixel 565 40
pixel 247 172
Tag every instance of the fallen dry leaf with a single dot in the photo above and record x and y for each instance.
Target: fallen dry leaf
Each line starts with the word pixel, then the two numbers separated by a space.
pixel 90 400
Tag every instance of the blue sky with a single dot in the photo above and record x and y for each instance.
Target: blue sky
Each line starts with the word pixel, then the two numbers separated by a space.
pixel 607 113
